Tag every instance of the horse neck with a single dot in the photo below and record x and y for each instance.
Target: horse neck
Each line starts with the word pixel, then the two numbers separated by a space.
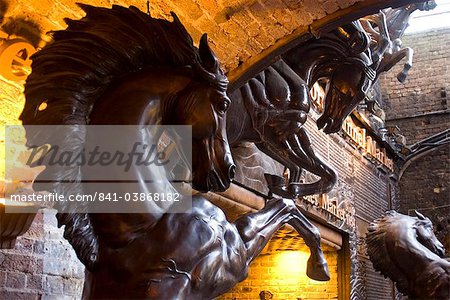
pixel 239 120
pixel 314 63
pixel 398 21
pixel 412 250
pixel 135 101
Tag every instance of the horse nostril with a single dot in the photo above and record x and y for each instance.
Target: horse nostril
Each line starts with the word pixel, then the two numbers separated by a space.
pixel 232 171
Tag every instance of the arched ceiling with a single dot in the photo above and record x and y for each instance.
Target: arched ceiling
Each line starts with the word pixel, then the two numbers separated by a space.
pixel 245 34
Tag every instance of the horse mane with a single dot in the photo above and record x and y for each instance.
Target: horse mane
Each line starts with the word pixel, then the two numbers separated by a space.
pixel 378 252
pixel 76 69
pixel 84 59
pixel 346 44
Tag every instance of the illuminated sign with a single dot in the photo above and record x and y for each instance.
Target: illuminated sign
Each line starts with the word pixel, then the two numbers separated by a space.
pixel 367 143
pixel 339 208
pixel 357 134
pixel 15 63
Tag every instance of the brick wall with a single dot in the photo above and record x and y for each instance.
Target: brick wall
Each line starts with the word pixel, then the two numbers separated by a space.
pixel 283 273
pixel 238 29
pixel 420 108
pixel 421 93
pixel 42 265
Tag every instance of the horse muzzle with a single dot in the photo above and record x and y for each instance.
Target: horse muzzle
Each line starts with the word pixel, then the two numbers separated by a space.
pixel 215 182
pixel 218 183
pixel 328 124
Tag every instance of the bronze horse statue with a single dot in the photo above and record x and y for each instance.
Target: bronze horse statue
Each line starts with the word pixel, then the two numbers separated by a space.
pixel 271 108
pixel 385 29
pixel 102 71
pixel 406 250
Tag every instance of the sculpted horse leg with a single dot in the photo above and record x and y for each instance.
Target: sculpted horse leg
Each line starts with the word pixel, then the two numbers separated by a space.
pixel 391 59
pixel 295 152
pixel 399 55
pixel 314 164
pixel 256 229
pixel 277 184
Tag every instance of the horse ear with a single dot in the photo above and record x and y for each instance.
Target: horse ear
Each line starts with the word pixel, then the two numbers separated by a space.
pixel 209 60
pixel 419 215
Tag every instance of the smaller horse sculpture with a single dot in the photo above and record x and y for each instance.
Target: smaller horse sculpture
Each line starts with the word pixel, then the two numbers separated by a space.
pixel 406 250
pixel 386 28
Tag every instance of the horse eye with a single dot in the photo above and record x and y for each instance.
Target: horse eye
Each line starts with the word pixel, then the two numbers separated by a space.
pixel 222 106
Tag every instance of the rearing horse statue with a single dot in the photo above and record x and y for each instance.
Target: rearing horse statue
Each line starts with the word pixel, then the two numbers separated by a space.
pixel 102 71
pixel 385 29
pixel 406 250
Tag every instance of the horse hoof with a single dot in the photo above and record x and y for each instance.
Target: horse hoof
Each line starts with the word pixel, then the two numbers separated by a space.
pixel 274 180
pixel 317 271
pixel 401 77
pixel 295 189
pixel 277 186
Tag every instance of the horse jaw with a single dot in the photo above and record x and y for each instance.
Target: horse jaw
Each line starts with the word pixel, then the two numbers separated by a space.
pixel 211 174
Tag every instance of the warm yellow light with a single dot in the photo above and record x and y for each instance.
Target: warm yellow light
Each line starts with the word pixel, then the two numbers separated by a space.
pixel 291 263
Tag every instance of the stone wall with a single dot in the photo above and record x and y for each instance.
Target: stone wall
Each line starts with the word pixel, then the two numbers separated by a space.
pixel 238 29
pixel 420 108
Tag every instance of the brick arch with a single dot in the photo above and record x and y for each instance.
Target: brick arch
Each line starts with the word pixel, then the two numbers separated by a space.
pixel 245 34
pixel 329 21
pixel 248 34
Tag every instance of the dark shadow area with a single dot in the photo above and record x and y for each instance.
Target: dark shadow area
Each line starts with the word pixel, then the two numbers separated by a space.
pixel 3 9
pixel 26 29
pixel 230 11
pixel 19 26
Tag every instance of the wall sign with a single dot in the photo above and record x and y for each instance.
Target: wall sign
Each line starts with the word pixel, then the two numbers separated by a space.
pixel 337 203
pixel 15 63
pixel 369 145
pixel 335 207
pixel 358 135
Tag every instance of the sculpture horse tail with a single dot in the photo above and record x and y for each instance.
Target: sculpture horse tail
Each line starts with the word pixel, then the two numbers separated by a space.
pixel 75 70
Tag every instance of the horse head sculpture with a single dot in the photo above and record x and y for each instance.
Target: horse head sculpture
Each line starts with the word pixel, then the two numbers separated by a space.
pixel 342 59
pixel 426 236
pixel 198 97
pixel 348 86
pixel 395 241
pixel 207 118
